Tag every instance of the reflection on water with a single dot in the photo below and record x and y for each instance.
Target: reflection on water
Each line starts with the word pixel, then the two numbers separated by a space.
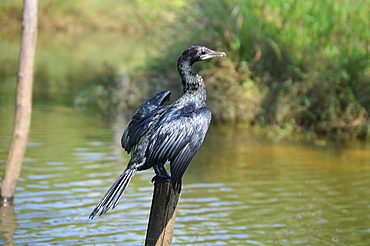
pixel 238 190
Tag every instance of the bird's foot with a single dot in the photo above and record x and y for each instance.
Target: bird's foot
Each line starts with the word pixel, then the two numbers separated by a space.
pixel 160 177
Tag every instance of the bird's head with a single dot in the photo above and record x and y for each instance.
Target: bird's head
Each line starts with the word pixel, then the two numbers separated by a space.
pixel 200 53
pixel 191 81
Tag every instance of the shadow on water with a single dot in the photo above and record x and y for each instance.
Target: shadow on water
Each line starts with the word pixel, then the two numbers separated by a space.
pixel 240 189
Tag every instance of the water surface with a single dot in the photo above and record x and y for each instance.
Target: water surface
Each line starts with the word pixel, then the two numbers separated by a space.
pixel 239 189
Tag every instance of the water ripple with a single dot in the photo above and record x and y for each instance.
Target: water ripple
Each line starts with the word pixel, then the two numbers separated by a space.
pixel 308 197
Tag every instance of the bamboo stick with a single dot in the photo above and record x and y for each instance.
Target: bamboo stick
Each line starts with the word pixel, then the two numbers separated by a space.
pixel 23 108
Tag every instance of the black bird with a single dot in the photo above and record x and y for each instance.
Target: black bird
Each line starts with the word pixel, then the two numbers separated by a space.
pixel 158 133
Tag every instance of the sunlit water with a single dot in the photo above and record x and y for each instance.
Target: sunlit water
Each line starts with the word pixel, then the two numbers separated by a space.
pixel 238 190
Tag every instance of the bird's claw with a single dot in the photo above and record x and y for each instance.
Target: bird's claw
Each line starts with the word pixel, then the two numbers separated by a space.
pixel 160 177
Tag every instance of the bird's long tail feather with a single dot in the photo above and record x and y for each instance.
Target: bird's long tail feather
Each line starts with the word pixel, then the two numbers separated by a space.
pixel 114 194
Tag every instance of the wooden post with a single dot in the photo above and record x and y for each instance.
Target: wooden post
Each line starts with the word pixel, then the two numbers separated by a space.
pixel 162 214
pixel 23 108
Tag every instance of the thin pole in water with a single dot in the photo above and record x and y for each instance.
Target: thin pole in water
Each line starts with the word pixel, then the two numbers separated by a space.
pixel 23 108
pixel 162 214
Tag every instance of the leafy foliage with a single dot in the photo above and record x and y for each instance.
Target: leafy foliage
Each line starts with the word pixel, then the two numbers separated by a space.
pixel 309 60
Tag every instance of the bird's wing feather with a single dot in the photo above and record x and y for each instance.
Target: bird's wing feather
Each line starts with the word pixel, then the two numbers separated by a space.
pixel 142 119
pixel 178 139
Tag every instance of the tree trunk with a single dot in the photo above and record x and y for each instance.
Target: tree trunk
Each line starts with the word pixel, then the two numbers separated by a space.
pixel 23 108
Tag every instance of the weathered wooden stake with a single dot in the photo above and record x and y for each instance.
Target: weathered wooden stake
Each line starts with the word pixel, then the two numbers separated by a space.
pixel 162 214
pixel 23 102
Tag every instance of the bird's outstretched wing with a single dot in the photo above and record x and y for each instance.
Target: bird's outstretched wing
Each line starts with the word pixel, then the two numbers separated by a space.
pixel 141 120
pixel 178 138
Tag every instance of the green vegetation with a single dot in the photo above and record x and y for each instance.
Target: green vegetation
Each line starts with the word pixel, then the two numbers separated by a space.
pixel 291 65
pixel 71 16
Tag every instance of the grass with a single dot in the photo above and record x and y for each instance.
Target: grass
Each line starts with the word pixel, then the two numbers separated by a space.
pixel 293 64
pixel 138 17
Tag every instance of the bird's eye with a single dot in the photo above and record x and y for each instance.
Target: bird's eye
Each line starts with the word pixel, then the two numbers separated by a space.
pixel 203 52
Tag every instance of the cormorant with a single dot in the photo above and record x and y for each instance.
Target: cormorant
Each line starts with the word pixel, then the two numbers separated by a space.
pixel 158 133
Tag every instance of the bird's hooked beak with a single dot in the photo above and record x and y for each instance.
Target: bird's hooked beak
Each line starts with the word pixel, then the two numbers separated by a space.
pixel 211 53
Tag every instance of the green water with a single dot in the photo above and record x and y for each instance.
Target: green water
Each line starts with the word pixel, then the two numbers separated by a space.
pixel 240 189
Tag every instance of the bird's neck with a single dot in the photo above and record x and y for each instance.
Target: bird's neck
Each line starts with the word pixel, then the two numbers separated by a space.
pixel 192 83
